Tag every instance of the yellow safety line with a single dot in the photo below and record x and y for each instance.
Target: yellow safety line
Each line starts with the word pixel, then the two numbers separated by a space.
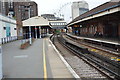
pixel 44 62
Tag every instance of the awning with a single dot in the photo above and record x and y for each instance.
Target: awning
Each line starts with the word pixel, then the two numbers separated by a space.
pixel 36 21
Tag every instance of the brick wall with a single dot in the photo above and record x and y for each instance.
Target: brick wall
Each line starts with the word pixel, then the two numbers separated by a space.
pixel 100 28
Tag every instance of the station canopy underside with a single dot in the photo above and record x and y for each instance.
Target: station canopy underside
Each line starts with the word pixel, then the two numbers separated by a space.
pixel 36 21
pixel 59 27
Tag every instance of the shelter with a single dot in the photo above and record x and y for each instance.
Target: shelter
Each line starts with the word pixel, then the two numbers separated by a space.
pixel 36 26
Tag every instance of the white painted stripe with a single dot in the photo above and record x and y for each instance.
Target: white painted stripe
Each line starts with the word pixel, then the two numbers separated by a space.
pixel 65 62
pixel 21 56
pixel 49 45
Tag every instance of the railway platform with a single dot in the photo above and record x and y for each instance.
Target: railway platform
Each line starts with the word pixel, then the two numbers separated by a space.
pixel 41 60
pixel 111 45
pixel 117 42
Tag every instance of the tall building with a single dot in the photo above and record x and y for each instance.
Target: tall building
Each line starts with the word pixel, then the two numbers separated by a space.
pixel 3 7
pixel 21 10
pixel 79 8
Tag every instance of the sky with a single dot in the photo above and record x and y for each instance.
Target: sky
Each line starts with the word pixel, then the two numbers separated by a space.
pixel 53 6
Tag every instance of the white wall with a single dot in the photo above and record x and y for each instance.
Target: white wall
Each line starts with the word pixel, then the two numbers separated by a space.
pixel 12 24
pixel 13 32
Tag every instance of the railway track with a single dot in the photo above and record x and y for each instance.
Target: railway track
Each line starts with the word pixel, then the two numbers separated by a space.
pixel 96 61
pixel 102 51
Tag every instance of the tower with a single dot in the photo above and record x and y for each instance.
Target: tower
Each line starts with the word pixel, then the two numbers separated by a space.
pixel 79 8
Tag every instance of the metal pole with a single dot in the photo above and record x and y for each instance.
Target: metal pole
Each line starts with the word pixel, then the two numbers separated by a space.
pixel 30 36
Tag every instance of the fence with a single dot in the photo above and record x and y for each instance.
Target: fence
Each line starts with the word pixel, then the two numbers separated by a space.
pixel 8 39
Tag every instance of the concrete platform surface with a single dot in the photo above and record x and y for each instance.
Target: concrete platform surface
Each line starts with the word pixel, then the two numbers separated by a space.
pixel 37 61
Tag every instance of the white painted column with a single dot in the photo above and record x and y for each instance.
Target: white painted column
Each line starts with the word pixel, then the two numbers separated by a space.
pixel 30 35
pixel 40 31
pixel 35 32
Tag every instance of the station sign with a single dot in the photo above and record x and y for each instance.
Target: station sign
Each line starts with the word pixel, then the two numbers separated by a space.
pixel 76 25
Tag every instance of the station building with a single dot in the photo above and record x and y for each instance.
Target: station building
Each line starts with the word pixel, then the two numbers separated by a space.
pixel 101 21
pixel 57 24
pixel 21 12
pixel 37 27
pixel 8 29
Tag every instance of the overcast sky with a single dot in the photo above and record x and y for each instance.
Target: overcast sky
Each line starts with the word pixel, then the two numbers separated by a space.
pixel 52 6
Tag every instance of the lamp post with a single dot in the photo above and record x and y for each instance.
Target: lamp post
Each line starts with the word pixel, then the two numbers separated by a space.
pixel 30 36
pixel 40 31
pixel 36 32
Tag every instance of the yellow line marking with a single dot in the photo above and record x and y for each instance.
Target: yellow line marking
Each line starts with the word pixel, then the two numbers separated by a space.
pixel 44 62
pixel 94 50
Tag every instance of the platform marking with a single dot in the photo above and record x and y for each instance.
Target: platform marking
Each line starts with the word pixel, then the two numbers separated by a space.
pixel 65 62
pixel 44 62
pixel 49 45
pixel 21 56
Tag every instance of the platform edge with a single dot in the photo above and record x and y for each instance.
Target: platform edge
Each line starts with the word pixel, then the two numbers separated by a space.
pixel 64 61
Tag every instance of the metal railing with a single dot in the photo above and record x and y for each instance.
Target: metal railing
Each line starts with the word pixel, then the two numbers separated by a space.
pixel 8 39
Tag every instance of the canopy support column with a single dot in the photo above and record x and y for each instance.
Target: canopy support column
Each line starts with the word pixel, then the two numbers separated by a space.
pixel 40 31
pixel 35 32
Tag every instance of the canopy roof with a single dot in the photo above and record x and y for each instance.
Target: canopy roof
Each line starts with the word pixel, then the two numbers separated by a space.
pixel 36 21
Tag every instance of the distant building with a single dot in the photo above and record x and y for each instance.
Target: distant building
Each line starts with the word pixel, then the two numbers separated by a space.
pixel 55 22
pixel 51 17
pixel 79 8
pixel 21 10
pixel 4 8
